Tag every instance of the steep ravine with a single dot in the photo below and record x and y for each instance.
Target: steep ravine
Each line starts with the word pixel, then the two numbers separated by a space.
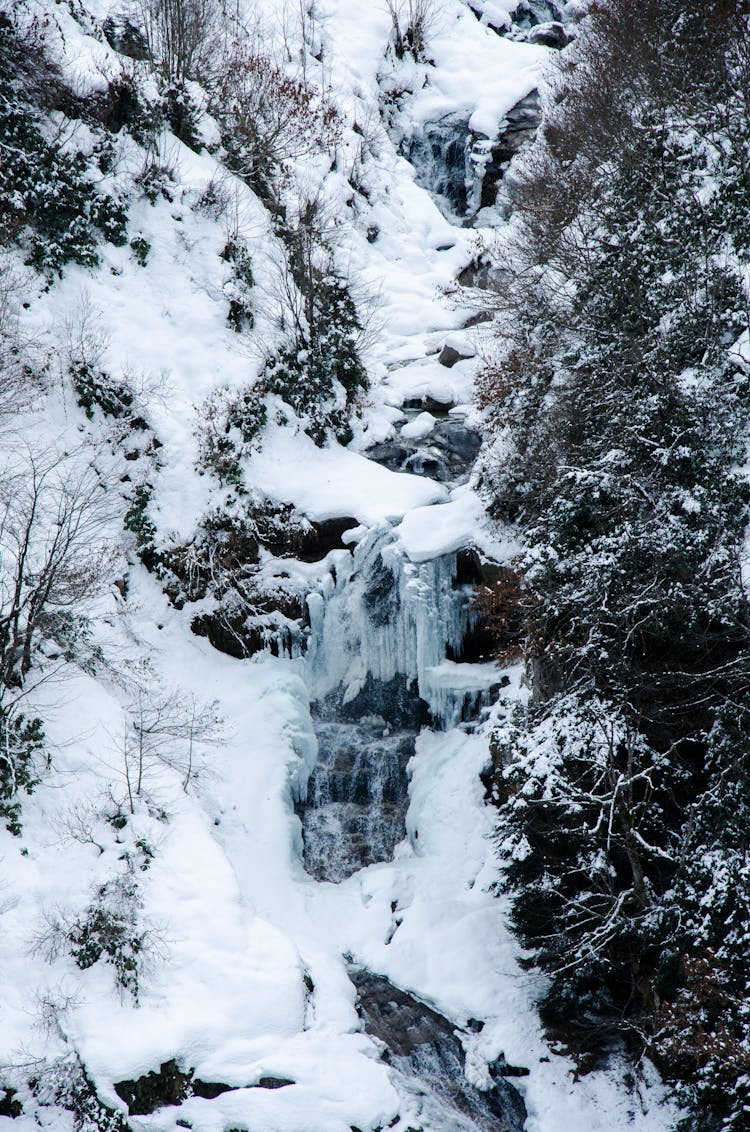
pixel 399 622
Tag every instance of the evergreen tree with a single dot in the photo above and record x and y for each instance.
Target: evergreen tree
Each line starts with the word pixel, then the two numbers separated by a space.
pixel 618 409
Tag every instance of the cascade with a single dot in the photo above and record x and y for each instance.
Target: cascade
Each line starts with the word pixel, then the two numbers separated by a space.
pixel 381 616
pixel 383 630
pixel 424 1049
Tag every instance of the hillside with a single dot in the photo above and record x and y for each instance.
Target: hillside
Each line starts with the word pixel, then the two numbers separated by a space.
pixel 249 872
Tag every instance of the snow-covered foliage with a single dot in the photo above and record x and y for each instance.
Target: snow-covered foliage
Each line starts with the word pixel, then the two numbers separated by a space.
pixel 619 411
pixel 221 284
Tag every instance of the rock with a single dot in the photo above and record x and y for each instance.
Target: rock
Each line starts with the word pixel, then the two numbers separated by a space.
pixel 446 454
pixel 530 13
pixel 423 1046
pixel 170 1086
pixel 9 1106
pixel 437 408
pixel 478 318
pixel 323 537
pixel 449 355
pixel 554 35
pixel 518 130
pixel 144 1095
pixel 480 273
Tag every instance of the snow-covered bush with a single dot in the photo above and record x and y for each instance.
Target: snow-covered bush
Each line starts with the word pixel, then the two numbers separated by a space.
pixel 320 374
pixel 230 428
pixel 21 752
pixel 411 24
pixel 48 199
pixel 64 1083
pixel 267 117
pixel 618 411
pixel 156 177
pixel 238 289
pixel 111 930
pixel 140 524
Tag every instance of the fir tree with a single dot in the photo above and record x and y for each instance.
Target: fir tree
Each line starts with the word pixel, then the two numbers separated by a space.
pixel 619 410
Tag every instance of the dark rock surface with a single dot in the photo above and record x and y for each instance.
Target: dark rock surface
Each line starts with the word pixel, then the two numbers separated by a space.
pixel 357 797
pixel 449 356
pixel 423 1046
pixel 446 454
pixel 517 131
pixel 170 1086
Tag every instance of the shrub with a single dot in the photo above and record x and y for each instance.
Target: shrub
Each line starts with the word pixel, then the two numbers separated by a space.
pixel 21 748
pixel 411 22
pixel 232 422
pixel 140 247
pixel 97 389
pixel 109 930
pixel 140 524
pixel 268 118
pixel 320 374
pixel 181 113
pixel 66 1084
pixel 155 178
pixel 47 200
pixel 238 289
pixel 182 37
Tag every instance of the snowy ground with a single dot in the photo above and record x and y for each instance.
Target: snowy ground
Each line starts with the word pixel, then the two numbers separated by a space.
pixel 239 933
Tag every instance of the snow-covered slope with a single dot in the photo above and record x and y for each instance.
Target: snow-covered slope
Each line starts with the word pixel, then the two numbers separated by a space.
pixel 243 957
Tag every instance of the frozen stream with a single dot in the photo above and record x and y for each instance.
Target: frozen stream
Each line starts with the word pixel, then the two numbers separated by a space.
pixel 381 632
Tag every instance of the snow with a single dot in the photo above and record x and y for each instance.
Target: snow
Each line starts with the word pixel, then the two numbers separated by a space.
pixel 335 482
pixel 422 425
pixel 238 932
pixel 427 532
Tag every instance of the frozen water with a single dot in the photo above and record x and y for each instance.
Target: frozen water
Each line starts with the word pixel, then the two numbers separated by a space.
pixel 357 797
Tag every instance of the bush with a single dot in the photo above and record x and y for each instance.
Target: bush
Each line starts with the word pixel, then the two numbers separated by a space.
pixel 411 22
pixel 47 199
pixel 321 375
pixel 268 118
pixel 109 930
pixel 140 247
pixel 182 37
pixel 182 114
pixel 21 749
pixel 96 389
pixel 238 289
pixel 140 524
pixel 232 422
pixel 155 178
pixel 66 1084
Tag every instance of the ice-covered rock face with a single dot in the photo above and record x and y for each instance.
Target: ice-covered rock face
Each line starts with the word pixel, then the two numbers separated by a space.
pixel 462 169
pixel 356 798
pixel 383 616
pixel 425 1051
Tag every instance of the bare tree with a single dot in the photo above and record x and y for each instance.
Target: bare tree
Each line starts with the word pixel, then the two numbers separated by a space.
pixel 52 555
pixel 182 36
pixel 168 729
pixel 17 376
pixel 411 24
